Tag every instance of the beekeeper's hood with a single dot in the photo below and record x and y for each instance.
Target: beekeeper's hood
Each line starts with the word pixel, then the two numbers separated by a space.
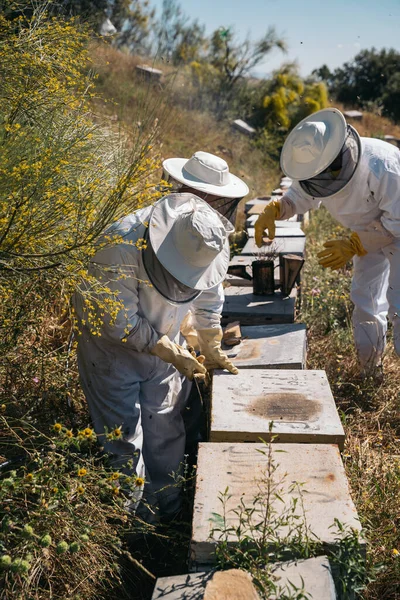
pixel 322 152
pixel 190 241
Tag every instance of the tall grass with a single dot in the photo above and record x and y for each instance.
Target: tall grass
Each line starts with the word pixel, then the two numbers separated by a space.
pixel 369 409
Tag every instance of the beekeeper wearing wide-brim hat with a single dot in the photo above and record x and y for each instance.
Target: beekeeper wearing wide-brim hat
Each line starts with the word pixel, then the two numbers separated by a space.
pixel 166 259
pixel 357 179
pixel 210 177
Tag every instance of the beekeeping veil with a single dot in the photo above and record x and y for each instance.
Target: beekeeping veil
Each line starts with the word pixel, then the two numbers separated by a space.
pixel 322 152
pixel 210 174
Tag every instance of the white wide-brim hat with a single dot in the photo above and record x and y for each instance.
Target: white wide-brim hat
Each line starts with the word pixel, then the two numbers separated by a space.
pixel 313 144
pixel 190 239
pixel 207 173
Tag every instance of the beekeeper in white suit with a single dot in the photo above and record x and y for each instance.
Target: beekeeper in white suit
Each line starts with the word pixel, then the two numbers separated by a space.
pixel 207 175
pixel 136 374
pixel 358 181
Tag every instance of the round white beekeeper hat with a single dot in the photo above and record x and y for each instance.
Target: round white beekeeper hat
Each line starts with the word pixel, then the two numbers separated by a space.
pixel 207 173
pixel 190 239
pixel 313 144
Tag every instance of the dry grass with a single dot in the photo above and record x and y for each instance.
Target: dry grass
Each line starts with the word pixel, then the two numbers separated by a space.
pixel 372 124
pixel 370 411
pixel 183 131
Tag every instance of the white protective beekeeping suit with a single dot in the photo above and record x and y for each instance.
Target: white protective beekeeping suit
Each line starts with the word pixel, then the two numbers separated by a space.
pixel 124 383
pixel 368 203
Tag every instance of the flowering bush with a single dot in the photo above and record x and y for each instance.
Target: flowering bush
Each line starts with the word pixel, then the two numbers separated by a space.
pixel 61 511
pixel 65 175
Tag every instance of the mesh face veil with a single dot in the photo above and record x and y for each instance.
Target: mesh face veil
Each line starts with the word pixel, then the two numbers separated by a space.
pixel 165 283
pixel 340 171
pixel 226 207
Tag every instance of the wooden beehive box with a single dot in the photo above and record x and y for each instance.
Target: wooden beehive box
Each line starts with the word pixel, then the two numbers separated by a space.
pixel 281 232
pixel 299 404
pixel 270 347
pixel 250 221
pixel 313 576
pixel 275 247
pixel 242 305
pixel 241 469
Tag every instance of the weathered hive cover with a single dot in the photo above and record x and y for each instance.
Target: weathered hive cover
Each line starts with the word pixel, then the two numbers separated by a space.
pixel 238 280
pixel 242 305
pixel 182 587
pixel 243 127
pixel 280 232
pixel 250 222
pixel 270 347
pixel 353 114
pixel 275 247
pixel 241 468
pixel 149 72
pixel 299 403
pixel 313 576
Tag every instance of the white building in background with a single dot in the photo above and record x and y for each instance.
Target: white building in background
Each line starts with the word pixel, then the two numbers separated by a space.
pixel 107 28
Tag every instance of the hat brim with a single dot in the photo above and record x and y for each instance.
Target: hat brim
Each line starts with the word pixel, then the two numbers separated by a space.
pixel 236 188
pixel 161 223
pixel 336 125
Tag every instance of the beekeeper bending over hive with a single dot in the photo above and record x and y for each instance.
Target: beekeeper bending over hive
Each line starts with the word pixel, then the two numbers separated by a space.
pixel 358 181
pixel 135 374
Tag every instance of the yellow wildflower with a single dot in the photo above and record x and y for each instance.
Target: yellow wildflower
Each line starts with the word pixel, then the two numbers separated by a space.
pixel 29 476
pixel 69 433
pixel 88 432
pixel 115 476
pixel 115 491
pixel 395 552
pixel 117 432
pixel 57 427
pixel 80 489
pixel 139 481
pixel 82 472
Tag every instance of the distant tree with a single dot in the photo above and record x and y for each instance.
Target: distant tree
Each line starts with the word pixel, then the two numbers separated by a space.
pixel 92 11
pixel 133 20
pixel 391 98
pixel 365 79
pixel 177 38
pixel 323 74
pixel 234 60
pixel 84 8
pixel 190 44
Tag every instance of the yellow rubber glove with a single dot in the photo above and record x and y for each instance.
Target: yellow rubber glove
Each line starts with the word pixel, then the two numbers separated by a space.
pixel 182 359
pixel 338 252
pixel 267 221
pixel 210 346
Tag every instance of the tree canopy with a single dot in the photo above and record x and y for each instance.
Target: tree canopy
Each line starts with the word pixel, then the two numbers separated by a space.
pixel 371 79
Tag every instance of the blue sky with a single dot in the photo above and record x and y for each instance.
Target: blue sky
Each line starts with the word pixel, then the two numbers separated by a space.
pixel 316 32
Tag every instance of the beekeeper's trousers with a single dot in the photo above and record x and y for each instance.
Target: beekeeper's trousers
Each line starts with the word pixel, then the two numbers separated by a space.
pixel 375 293
pixel 145 396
